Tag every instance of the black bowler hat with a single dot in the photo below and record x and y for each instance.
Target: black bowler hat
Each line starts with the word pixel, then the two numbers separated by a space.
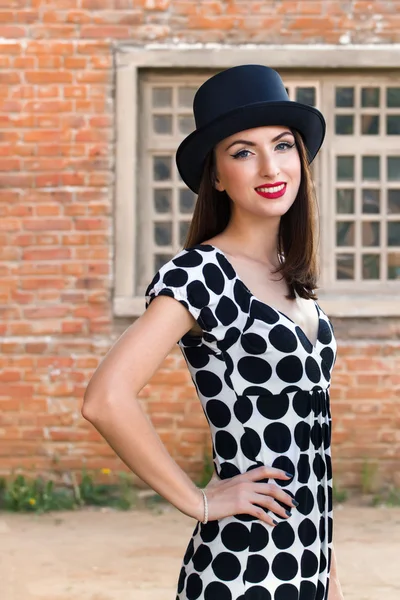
pixel 241 98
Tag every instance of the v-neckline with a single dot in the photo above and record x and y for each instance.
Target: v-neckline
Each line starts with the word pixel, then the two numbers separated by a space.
pixel 237 278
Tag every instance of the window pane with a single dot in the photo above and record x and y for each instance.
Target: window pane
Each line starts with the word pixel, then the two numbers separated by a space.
pixel 371 233
pixel 345 233
pixel 185 96
pixel 162 124
pixel 306 95
pixel 393 168
pixel 345 201
pixel 344 97
pixel 345 266
pixel 162 200
pixel 183 229
pixel 163 234
pixel 371 201
pixel 370 97
pixel 162 97
pixel 161 259
pixel 370 266
pixel 393 233
pixel 393 201
pixel 394 265
pixel 370 124
pixel 370 168
pixel 393 124
pixel 344 124
pixel 393 97
pixel 345 168
pixel 186 201
pixel 162 168
pixel 186 124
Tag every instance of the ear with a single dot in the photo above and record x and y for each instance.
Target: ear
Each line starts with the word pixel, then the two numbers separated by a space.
pixel 218 186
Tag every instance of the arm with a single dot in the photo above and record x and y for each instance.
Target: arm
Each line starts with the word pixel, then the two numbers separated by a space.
pixel 111 404
pixel 335 590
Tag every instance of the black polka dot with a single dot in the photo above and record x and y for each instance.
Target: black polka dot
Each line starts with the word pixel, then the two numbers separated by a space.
pixel 226 311
pixel 287 591
pixel 235 537
pixel 209 532
pixel 225 266
pixel 312 370
pixel 225 444
pixel 320 595
pixel 284 463
pixel 283 339
pixel 197 294
pixel 259 537
pixel 285 566
pixel 242 296
pixel 250 443
pixel 283 535
pixel 208 383
pixel 273 407
pixel 321 498
pixel 290 369
pixel 228 470
pixel 309 564
pixel 322 562
pixel 302 404
pixel 307 590
pixel 175 278
pixel 189 552
pixel 254 369
pixel 218 413
pixel 263 312
pixel 202 557
pixel 303 469
pixel 181 580
pixel 216 589
pixel 307 532
pixel 226 566
pixel 305 499
pixel 277 437
pixel 319 466
pixel 189 259
pixel 198 357
pixel 302 435
pixel 194 586
pixel 257 568
pixel 207 319
pixel 214 278
pixel 252 343
pixel 231 337
pixel 243 409
pixel 322 529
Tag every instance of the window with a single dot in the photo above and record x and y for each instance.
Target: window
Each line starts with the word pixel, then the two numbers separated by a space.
pixel 357 174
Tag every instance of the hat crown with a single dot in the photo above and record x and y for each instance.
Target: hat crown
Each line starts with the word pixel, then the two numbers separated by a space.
pixel 236 87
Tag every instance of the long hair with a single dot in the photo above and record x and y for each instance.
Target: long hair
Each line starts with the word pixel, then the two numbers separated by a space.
pixel 298 235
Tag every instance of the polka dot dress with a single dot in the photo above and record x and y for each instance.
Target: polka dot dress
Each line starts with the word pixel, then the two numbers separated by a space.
pixel 264 389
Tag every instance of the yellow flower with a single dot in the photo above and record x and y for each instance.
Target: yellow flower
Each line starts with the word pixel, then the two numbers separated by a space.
pixel 32 501
pixel 106 471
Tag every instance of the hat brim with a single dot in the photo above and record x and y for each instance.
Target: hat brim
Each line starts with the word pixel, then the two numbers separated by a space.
pixel 193 150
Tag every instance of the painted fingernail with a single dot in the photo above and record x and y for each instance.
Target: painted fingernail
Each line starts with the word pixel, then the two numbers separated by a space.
pixel 295 502
pixel 275 522
pixel 289 514
pixel 288 474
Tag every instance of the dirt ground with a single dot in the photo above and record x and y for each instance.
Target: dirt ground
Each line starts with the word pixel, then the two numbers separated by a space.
pixel 136 555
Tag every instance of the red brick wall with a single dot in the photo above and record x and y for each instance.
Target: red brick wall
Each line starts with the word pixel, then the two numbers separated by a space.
pixel 56 189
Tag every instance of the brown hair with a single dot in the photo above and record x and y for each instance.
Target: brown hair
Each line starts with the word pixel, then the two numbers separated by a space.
pixel 298 227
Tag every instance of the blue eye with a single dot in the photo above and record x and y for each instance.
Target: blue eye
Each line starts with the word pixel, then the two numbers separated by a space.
pixel 286 144
pixel 240 154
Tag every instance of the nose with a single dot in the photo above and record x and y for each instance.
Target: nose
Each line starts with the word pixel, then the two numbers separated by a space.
pixel 268 165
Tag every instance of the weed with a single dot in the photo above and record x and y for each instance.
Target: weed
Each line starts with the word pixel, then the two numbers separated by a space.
pixel 339 495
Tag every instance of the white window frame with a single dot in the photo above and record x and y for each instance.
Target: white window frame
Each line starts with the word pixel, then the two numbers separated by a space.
pixel 292 59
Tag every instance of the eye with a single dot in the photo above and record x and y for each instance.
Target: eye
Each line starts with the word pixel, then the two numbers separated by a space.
pixel 241 154
pixel 286 145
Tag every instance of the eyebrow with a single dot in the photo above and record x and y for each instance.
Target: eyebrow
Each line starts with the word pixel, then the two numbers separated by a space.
pixel 248 143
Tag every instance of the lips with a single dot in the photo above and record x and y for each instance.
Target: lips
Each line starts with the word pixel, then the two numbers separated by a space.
pixel 272 191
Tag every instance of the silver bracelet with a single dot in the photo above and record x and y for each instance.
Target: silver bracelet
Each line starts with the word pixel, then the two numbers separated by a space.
pixel 205 507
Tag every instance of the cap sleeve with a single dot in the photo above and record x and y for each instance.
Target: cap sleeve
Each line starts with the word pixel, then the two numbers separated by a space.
pixel 190 277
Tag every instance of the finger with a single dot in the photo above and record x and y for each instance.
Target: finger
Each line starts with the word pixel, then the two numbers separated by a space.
pixel 269 503
pixel 261 515
pixel 265 472
pixel 271 489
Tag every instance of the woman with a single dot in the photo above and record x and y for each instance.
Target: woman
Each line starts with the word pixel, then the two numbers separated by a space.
pixel 259 348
